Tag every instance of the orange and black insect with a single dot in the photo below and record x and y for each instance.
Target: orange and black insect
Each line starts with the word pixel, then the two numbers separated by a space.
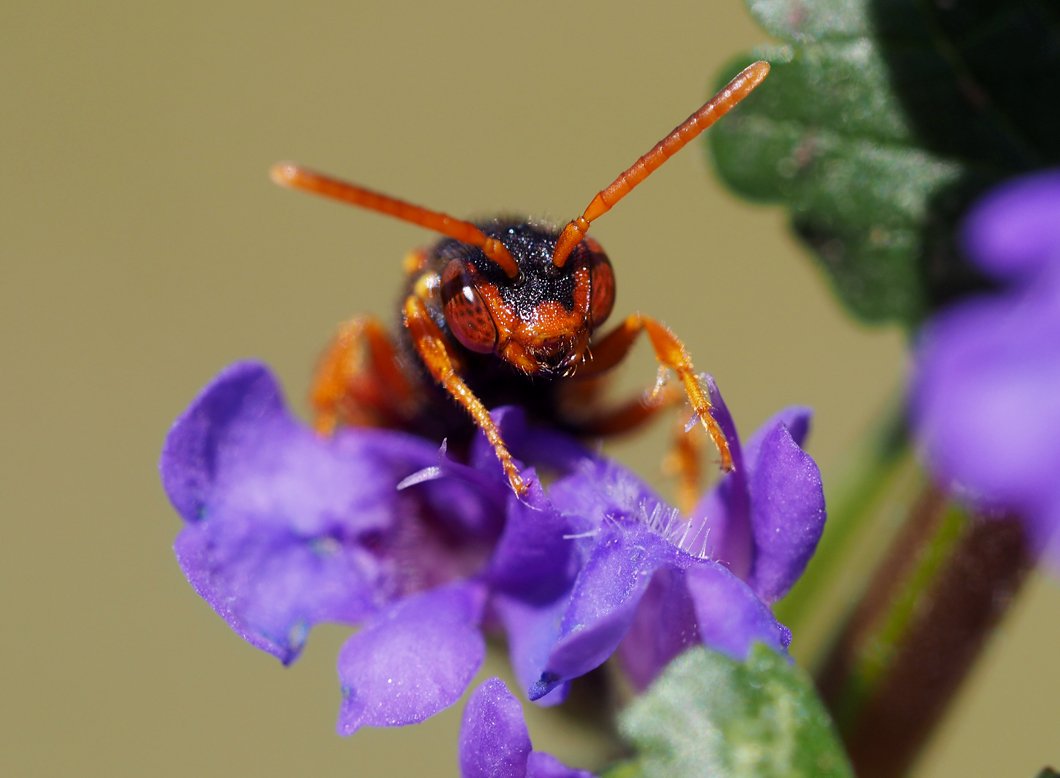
pixel 504 311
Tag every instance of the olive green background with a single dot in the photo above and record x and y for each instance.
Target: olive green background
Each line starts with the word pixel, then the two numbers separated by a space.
pixel 143 249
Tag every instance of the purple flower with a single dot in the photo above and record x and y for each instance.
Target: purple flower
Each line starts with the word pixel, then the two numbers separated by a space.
pixel 649 583
pixel 494 740
pixel 986 391
pixel 285 529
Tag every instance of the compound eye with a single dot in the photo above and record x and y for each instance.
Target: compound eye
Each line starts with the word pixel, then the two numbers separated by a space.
pixel 466 314
pixel 602 284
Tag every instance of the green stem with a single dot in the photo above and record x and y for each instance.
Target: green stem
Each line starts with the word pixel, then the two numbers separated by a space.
pixel 942 586
pixel 911 571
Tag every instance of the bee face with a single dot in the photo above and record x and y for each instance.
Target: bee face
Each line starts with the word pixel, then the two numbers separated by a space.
pixel 541 320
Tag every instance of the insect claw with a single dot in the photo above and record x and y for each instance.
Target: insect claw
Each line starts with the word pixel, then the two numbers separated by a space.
pixel 521 489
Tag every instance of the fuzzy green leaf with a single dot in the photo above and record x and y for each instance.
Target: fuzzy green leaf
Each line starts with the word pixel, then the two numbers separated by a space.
pixel 711 715
pixel 881 121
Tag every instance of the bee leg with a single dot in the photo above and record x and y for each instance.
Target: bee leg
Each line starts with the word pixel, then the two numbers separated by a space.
pixel 685 464
pixel 670 352
pixel 580 403
pixel 684 460
pixel 430 343
pixel 359 380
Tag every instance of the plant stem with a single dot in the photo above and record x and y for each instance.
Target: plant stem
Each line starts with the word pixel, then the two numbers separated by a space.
pixel 943 585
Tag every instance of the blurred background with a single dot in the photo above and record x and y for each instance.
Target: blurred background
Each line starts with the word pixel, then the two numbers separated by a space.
pixel 144 248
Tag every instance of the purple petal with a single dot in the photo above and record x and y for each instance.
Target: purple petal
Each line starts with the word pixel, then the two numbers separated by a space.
pixel 534 558
pixel 234 414
pixel 664 626
pixel 413 660
pixel 601 491
pixel 984 397
pixel 1015 230
pixel 286 529
pixel 275 515
pixel 238 450
pixel 726 508
pixel 271 586
pixel 602 603
pixel 543 447
pixel 494 742
pixel 532 629
pixel 730 616
pixel 493 737
pixel 985 401
pixel 787 511
pixel 720 412
pixel 542 765
pixel 796 418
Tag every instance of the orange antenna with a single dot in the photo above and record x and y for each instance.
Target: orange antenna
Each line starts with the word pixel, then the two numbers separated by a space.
pixel 295 177
pixel 716 107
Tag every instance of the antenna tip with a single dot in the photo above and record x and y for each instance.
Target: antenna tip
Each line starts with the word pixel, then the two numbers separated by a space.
pixel 759 70
pixel 284 173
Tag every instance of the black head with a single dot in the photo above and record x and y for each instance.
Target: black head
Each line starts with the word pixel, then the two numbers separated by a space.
pixel 538 320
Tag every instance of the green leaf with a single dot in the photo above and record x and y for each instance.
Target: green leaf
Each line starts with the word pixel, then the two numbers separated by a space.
pixel 881 121
pixel 711 715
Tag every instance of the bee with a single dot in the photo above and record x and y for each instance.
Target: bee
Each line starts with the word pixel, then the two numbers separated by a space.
pixel 504 311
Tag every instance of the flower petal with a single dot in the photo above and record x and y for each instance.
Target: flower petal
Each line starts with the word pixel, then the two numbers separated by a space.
pixel 286 529
pixel 664 626
pixel 720 412
pixel 984 397
pixel 494 740
pixel 412 661
pixel 796 418
pixel 231 417
pixel 543 765
pixel 726 508
pixel 270 585
pixel 787 508
pixel 538 445
pixel 534 558
pixel 238 450
pixel 729 615
pixel 532 629
pixel 1015 230
pixel 602 603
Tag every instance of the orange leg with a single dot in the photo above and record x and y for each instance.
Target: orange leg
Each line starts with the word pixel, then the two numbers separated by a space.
pixel 359 380
pixel 683 461
pixel 613 347
pixel 430 343
pixel 580 401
